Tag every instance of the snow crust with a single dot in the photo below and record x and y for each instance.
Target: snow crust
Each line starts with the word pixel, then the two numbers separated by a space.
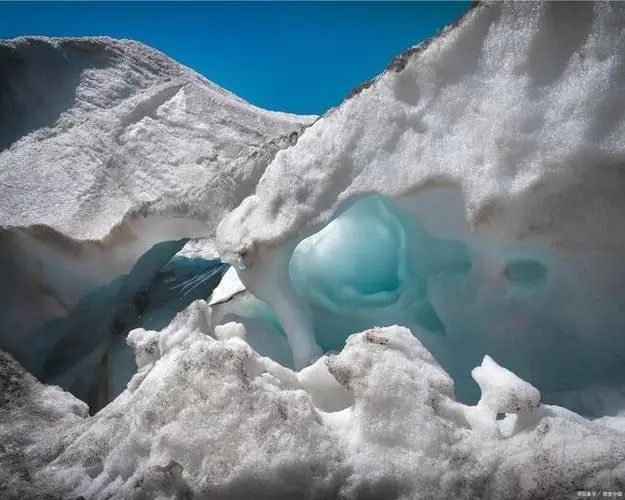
pixel 214 419
pixel 229 286
pixel 119 130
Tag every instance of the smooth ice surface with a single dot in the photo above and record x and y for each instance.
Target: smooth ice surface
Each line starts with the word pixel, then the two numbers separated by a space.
pixel 372 265
pixel 377 263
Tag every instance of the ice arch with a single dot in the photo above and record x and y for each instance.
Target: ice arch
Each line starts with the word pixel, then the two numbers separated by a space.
pixel 414 262
pixel 531 134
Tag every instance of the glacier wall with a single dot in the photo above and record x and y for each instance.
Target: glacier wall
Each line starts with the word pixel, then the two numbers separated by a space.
pixel 473 192
pixel 377 264
pixel 514 119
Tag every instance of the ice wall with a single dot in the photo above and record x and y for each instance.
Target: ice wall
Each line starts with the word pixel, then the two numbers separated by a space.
pixel 378 263
pixel 85 352
pixel 515 117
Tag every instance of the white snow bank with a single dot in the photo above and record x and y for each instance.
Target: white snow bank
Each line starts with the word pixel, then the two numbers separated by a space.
pixel 212 418
pixel 120 129
pixel 32 418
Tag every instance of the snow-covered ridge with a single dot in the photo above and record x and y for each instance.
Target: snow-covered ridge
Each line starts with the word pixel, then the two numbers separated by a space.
pixel 516 106
pixel 94 129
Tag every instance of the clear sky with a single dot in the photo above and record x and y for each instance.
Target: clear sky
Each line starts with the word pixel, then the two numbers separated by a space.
pixel 299 57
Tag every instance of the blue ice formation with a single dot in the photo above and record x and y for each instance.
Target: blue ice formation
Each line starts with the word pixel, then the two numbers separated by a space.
pixel 85 352
pixel 376 264
pixel 372 266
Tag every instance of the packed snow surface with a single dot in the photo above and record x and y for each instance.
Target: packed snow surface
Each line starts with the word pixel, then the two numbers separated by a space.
pixel 520 106
pixel 94 130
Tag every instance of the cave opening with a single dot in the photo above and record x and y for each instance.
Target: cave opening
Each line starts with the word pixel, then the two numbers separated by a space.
pixel 415 262
pixel 85 352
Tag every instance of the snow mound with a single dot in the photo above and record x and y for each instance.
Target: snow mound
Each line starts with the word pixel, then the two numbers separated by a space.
pixel 243 426
pixel 502 390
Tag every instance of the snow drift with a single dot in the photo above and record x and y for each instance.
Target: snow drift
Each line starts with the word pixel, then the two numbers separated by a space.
pixel 210 418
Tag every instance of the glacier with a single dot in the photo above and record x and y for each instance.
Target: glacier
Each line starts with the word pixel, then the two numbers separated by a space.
pixel 417 295
pixel 108 148
pixel 486 149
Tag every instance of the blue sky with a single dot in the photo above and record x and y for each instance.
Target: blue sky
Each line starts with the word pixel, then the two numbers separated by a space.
pixel 299 57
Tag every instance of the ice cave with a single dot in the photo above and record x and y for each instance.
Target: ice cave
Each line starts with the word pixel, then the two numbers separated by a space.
pixel 418 294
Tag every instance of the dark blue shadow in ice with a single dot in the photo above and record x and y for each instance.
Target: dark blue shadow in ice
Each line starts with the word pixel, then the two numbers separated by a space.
pixel 85 352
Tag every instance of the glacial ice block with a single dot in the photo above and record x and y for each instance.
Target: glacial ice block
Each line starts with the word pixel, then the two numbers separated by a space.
pixel 517 109
pixel 373 265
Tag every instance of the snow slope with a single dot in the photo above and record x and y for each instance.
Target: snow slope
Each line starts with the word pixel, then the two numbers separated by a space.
pixel 519 106
pixel 95 130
